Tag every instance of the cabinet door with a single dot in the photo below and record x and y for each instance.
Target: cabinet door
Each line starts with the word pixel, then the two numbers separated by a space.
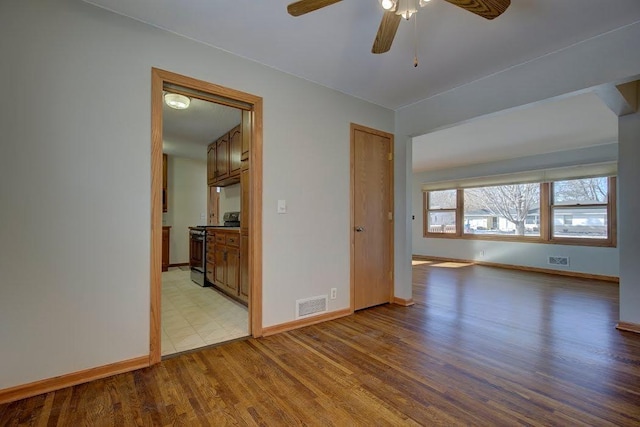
pixel 233 270
pixel 235 150
pixel 244 268
pixel 219 268
pixel 210 269
pixel 246 134
pixel 211 163
pixel 222 158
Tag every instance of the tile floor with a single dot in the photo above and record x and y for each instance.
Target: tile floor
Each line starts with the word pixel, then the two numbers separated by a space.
pixel 194 317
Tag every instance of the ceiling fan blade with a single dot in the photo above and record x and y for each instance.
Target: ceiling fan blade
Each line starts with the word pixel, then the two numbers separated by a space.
pixel 488 9
pixel 305 6
pixel 386 32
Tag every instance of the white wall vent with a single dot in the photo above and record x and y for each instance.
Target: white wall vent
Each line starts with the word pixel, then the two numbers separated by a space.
pixel 309 306
pixel 559 260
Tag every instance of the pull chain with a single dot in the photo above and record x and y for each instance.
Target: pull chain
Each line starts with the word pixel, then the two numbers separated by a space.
pixel 415 40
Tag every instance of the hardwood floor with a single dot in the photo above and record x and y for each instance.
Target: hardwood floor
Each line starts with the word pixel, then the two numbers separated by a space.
pixel 481 346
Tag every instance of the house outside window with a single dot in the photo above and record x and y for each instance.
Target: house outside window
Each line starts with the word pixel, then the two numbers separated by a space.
pixel 574 211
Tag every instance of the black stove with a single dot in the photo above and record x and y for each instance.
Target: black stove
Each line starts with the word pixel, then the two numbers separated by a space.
pixel 231 219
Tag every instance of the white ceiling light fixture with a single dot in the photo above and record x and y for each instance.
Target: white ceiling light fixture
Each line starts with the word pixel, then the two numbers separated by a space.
pixel 177 101
pixel 404 8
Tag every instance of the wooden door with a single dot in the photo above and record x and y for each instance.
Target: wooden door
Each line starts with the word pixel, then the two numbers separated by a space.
pixel 372 221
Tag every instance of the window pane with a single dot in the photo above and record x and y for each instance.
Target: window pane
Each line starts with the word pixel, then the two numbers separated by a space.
pixel 590 223
pixel 445 199
pixel 503 210
pixel 580 191
pixel 442 222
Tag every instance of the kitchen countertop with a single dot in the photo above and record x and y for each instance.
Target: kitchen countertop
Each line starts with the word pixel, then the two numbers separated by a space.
pixel 216 226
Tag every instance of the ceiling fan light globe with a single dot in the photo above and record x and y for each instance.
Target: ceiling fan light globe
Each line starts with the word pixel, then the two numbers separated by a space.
pixel 387 4
pixel 423 3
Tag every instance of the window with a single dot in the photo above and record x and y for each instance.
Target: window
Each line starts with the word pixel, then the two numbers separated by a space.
pixel 441 212
pixel 579 208
pixel 576 211
pixel 512 210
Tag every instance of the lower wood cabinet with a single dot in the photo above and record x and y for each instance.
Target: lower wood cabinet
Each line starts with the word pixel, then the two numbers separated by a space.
pixel 224 261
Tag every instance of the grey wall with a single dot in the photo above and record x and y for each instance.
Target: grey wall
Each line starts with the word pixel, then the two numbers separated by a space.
pixel 187 203
pixel 75 183
pixel 628 229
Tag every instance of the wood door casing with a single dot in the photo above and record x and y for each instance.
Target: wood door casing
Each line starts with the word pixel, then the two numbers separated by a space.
pixel 372 210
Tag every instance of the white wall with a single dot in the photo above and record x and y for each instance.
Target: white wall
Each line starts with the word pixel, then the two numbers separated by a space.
pixel 187 207
pixel 230 198
pixel 75 183
pixel 611 57
pixel 629 232
pixel 583 259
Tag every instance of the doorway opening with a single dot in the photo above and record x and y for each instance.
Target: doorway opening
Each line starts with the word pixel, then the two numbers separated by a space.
pixel 238 249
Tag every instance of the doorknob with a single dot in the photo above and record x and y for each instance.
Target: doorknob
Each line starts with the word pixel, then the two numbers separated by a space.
pixel 359 229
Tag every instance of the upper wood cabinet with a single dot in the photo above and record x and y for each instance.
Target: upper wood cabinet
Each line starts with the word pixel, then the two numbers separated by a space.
pixel 235 150
pixel 223 159
pixel 246 134
pixel 165 195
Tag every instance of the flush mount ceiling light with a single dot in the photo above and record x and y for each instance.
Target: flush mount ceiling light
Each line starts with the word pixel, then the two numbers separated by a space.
pixel 177 101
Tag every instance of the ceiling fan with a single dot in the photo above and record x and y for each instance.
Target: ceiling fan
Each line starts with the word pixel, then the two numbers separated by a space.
pixel 395 10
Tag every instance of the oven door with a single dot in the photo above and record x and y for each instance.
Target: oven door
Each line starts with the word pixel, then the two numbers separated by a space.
pixel 197 256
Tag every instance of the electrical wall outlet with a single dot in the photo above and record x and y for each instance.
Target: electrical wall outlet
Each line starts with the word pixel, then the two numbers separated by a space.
pixel 334 293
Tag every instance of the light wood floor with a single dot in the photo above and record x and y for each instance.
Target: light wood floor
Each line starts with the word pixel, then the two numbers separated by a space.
pixel 482 346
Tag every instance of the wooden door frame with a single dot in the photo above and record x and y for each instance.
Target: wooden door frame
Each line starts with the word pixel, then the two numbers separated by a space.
pixel 158 79
pixel 355 127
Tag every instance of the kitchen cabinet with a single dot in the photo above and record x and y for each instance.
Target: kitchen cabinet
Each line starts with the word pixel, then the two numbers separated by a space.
pixel 235 150
pixel 165 247
pixel 165 180
pixel 246 135
pixel 224 159
pixel 223 261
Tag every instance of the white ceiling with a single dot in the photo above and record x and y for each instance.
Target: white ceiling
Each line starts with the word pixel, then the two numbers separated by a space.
pixel 332 47
pixel 557 125
pixel 186 133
